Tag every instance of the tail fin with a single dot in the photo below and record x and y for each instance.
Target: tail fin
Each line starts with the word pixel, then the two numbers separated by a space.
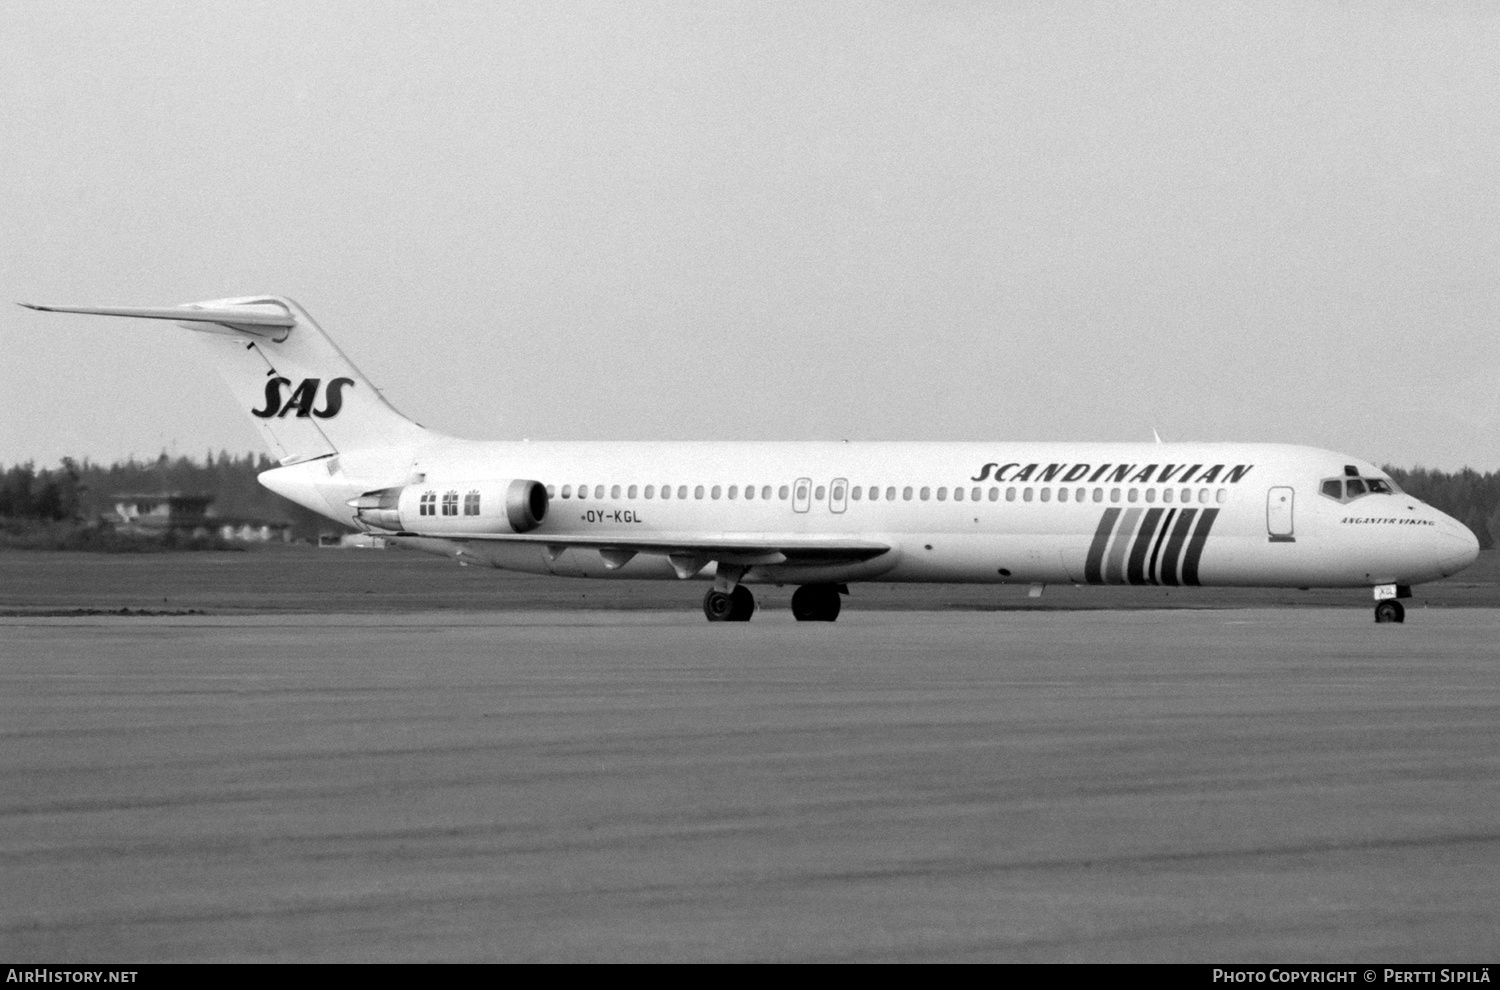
pixel 306 397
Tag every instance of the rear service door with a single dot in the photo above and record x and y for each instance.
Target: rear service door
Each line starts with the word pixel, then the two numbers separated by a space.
pixel 1279 515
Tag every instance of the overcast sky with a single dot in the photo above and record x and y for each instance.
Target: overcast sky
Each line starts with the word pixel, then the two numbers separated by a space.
pixel 942 221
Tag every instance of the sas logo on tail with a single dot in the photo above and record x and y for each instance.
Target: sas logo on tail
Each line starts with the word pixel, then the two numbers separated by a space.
pixel 303 398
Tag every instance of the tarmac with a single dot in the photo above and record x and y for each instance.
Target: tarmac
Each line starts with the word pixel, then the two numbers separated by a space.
pixel 1272 785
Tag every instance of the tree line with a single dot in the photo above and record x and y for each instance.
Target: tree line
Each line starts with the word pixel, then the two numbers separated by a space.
pixel 81 491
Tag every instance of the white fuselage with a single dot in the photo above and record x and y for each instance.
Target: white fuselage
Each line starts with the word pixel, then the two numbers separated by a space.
pixel 1210 514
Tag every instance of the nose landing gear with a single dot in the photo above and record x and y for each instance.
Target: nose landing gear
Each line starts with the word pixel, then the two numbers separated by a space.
pixel 1387 608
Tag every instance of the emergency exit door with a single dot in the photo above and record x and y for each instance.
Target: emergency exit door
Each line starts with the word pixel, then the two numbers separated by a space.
pixel 802 495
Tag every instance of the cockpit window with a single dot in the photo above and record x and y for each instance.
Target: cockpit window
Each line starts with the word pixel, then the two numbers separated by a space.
pixel 1349 489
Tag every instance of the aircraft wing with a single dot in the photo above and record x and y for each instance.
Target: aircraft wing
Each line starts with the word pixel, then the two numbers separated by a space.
pixel 689 553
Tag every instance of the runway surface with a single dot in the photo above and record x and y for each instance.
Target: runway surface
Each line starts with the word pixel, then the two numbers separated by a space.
pixel 1276 785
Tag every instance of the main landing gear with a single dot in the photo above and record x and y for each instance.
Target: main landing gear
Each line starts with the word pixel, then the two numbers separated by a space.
pixel 729 606
pixel 816 603
pixel 810 603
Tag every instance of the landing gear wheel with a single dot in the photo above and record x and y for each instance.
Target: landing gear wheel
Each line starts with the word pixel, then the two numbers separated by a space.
pixel 1390 610
pixel 816 603
pixel 735 606
pixel 744 604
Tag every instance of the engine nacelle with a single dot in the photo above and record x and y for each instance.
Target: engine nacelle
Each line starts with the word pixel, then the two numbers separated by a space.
pixel 440 508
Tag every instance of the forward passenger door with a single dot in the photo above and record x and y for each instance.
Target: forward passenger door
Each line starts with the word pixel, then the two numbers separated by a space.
pixel 1279 514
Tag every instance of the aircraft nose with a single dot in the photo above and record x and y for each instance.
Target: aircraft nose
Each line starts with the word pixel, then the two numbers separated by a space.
pixel 1457 544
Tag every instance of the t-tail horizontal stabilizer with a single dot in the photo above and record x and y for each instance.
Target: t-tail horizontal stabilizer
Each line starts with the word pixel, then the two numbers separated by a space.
pixel 263 321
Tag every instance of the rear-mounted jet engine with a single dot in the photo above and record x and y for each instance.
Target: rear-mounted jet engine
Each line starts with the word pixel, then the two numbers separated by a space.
pixel 455 507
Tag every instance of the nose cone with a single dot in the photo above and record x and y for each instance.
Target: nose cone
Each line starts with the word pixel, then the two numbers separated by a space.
pixel 1458 547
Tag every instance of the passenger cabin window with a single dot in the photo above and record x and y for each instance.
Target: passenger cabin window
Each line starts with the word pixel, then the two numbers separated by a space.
pixel 783 493
pixel 717 491
pixel 631 492
pixel 650 491
pixel 428 505
pixel 471 503
pixel 765 492
pixel 450 503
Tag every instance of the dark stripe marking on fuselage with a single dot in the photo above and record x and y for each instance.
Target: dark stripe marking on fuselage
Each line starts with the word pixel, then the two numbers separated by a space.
pixel 1092 568
pixel 1174 546
pixel 1135 572
pixel 1195 548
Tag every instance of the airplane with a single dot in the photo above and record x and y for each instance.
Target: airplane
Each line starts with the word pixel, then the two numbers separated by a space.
pixel 817 515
